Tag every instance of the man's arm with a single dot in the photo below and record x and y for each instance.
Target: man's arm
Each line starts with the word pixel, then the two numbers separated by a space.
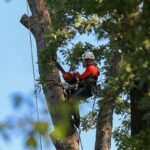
pixel 84 75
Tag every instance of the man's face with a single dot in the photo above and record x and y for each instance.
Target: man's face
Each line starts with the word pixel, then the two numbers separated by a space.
pixel 86 62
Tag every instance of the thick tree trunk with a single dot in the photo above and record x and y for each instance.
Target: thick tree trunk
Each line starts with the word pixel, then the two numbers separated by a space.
pixel 140 89
pixel 137 93
pixel 105 116
pixel 137 114
pixel 39 24
pixel 104 127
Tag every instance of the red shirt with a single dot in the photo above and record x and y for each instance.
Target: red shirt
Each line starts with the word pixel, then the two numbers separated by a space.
pixel 91 71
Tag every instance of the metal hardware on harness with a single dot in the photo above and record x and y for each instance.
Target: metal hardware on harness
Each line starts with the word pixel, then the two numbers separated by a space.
pixel 69 89
pixel 70 86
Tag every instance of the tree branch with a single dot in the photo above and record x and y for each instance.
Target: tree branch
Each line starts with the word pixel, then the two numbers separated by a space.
pixel 25 20
pixel 28 22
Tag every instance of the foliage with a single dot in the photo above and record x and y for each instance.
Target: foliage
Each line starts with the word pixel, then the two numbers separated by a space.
pixel 88 121
pixel 24 122
pixel 126 26
pixel 122 133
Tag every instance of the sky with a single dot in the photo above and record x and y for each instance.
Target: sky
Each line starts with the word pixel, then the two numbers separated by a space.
pixel 16 70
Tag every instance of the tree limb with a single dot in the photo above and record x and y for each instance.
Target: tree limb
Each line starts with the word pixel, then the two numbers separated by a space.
pixel 28 22
pixel 25 20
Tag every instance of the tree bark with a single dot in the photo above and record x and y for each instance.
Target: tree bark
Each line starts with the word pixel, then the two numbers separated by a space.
pixel 104 127
pixel 138 123
pixel 40 23
pixel 137 93
pixel 105 116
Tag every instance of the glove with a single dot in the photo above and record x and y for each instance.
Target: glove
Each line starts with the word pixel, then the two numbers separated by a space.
pixel 67 76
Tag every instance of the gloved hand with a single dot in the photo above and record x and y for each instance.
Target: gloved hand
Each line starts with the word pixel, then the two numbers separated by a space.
pixel 67 76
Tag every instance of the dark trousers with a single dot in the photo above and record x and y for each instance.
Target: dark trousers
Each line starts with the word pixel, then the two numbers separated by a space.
pixel 81 94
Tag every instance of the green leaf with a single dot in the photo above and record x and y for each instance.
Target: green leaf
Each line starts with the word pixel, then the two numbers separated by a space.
pixel 41 127
pixel 31 142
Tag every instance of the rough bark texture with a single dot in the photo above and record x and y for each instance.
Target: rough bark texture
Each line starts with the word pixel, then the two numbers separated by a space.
pixel 104 127
pixel 105 116
pixel 137 115
pixel 40 22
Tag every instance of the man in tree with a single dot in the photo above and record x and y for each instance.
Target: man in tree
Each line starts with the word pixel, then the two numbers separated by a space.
pixel 86 86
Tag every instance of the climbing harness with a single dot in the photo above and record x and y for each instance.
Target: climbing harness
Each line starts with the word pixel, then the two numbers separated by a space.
pixel 33 70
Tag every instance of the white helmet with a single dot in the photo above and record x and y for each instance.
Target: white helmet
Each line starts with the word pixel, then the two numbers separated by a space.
pixel 88 55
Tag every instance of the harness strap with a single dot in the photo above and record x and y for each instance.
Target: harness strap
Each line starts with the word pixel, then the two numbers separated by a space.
pixel 92 77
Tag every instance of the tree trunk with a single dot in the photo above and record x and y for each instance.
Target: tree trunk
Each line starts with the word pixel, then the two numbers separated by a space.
pixel 104 127
pixel 64 136
pixel 137 114
pixel 139 90
pixel 105 116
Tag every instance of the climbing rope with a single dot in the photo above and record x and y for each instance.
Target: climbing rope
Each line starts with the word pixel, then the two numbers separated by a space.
pixel 33 70
pixel 93 104
pixel 79 132
pixel 95 96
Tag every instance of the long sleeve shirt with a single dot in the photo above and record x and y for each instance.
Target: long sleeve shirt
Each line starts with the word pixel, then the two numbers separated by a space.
pixel 91 71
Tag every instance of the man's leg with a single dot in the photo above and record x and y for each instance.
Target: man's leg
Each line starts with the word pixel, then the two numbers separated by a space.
pixel 74 101
pixel 80 94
